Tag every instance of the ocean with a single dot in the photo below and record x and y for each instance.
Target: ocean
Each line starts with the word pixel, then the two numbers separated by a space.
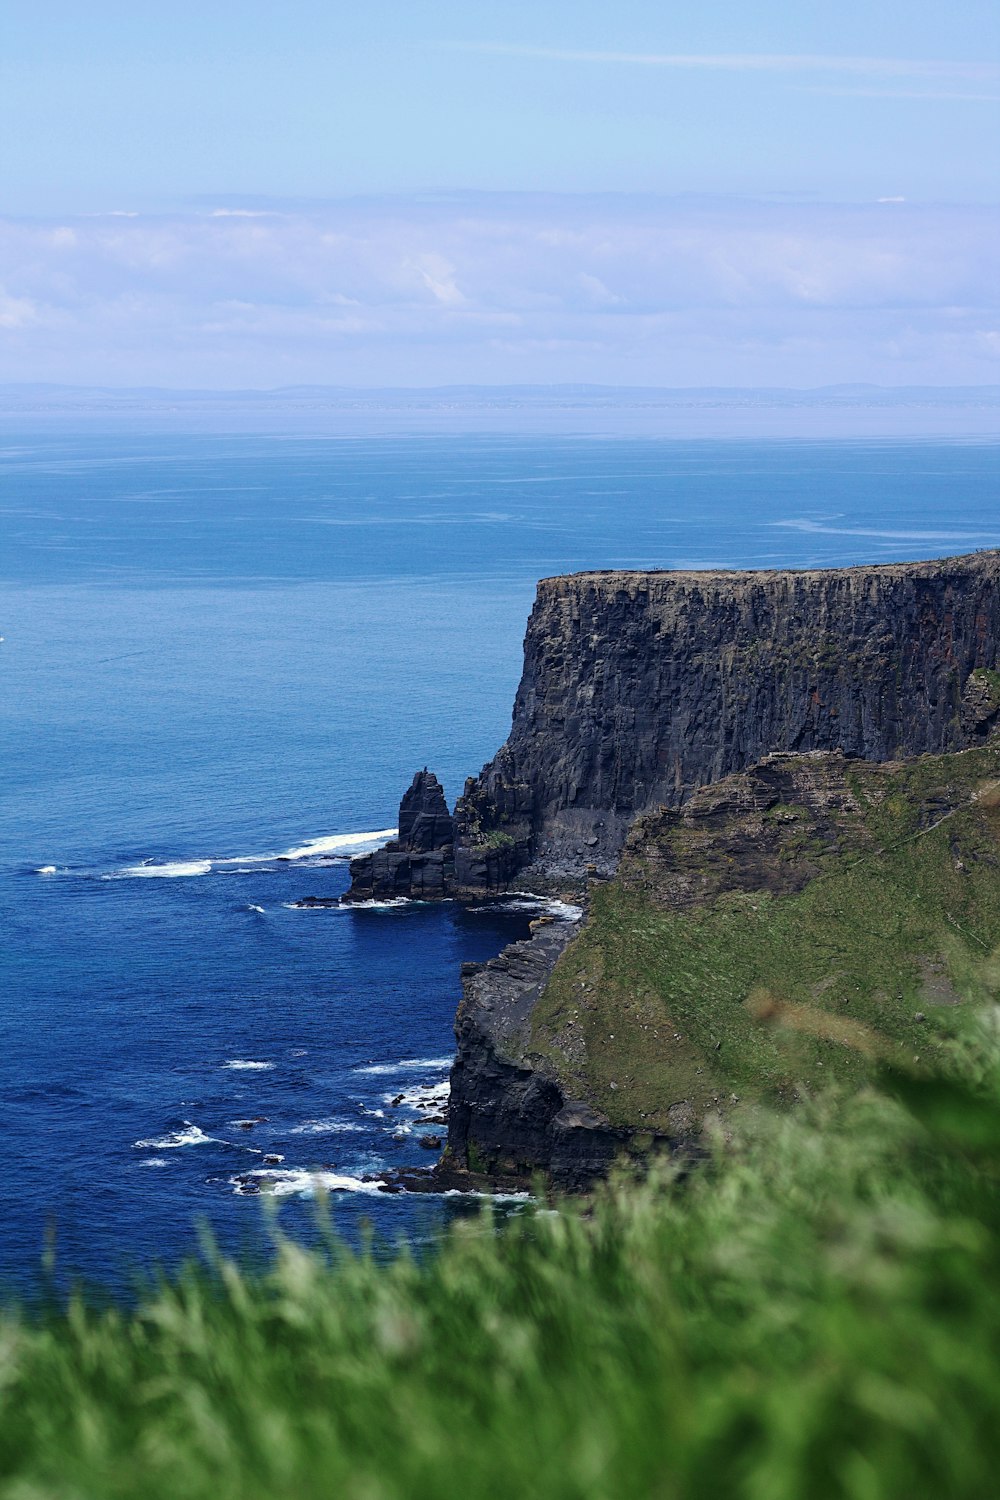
pixel 224 658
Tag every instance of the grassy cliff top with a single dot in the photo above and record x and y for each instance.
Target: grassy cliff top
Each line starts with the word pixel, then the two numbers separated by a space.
pixel 790 926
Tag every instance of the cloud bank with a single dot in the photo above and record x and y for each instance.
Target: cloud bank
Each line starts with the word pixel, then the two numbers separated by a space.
pixel 503 287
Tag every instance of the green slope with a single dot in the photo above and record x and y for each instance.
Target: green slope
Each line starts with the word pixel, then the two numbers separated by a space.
pixel 787 928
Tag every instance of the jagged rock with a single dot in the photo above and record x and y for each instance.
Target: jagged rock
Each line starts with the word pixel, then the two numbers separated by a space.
pixel 981 701
pixel 509 1116
pixel 424 820
pixel 418 864
pixel 638 688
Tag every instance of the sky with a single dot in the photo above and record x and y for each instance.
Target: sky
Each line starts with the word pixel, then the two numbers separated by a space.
pixel 246 194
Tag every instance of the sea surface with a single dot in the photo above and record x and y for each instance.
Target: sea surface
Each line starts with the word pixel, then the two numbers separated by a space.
pixel 224 658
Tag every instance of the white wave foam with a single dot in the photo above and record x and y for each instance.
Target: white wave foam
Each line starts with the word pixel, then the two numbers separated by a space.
pixel 331 846
pixel 564 911
pixel 153 1161
pixel 341 845
pixel 189 1135
pixel 173 870
pixel 258 909
pixel 244 1065
pixel 391 903
pixel 283 1182
pixel 46 870
pixel 407 1065
pixel 325 1127
pixel 524 1197
pixel 428 1096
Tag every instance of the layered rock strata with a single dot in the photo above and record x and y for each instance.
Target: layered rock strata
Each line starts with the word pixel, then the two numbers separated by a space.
pixel 788 927
pixel 638 688
pixel 510 1115
pixel 419 863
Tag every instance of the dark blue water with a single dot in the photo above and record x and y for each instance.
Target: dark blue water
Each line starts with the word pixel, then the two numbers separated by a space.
pixel 224 650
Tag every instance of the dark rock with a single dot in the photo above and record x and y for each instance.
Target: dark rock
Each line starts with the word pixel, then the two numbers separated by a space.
pixel 418 865
pixel 508 1116
pixel 430 1142
pixel 424 820
pixel 638 688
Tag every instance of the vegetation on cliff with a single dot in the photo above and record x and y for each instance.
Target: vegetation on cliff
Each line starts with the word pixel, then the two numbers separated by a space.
pixel 791 926
pixel 815 1312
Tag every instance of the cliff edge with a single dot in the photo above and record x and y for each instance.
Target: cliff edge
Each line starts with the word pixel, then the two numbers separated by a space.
pixel 789 927
pixel 639 688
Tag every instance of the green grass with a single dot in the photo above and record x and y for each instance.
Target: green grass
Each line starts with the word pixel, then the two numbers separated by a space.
pixel 813 1315
pixel 762 991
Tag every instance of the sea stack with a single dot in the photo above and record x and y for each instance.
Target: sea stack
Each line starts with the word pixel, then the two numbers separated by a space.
pixel 419 862
pixel 640 688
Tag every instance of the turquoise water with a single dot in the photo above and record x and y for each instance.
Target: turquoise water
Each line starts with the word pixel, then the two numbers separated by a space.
pixel 220 651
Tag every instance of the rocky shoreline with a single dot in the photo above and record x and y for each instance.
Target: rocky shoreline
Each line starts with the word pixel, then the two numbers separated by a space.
pixel 638 689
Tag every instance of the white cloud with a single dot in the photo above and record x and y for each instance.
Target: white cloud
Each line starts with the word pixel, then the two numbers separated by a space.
pixel 487 287
pixel 17 312
pixel 438 276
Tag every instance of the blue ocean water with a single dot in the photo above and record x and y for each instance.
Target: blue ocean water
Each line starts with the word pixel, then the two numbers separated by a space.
pixel 224 657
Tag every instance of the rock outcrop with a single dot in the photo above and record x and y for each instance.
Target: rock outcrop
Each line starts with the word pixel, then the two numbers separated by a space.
pixel 509 1115
pixel 419 863
pixel 790 926
pixel 638 688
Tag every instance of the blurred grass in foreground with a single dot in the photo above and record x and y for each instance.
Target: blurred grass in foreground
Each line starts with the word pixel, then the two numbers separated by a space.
pixel 815 1312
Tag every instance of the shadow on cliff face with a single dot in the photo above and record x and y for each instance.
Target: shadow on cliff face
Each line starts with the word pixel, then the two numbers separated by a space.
pixel 638 689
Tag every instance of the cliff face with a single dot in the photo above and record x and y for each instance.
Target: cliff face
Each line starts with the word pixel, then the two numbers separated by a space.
pixel 638 688
pixel 788 927
pixel 741 725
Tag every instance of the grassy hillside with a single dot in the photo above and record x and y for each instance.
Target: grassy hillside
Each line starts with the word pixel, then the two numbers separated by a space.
pixel 815 1313
pixel 790 927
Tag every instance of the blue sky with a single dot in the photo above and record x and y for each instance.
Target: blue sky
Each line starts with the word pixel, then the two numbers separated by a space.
pixel 246 193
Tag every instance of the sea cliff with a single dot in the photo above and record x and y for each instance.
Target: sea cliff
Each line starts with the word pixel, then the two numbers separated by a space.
pixel 639 688
pixel 760 745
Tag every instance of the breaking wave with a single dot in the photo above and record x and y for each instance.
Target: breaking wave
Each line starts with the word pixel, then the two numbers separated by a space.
pixel 188 1135
pixel 330 848
pixel 173 870
pixel 407 1065
pixel 245 1065
pixel 281 1182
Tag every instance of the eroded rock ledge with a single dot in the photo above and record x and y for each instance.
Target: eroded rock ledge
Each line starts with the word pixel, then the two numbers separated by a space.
pixel 791 926
pixel 639 688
